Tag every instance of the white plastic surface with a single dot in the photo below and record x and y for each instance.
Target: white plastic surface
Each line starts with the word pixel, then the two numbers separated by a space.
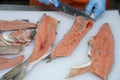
pixel 58 69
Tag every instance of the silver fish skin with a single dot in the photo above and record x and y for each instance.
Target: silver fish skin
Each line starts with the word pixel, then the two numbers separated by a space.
pixel 16 73
pixel 10 50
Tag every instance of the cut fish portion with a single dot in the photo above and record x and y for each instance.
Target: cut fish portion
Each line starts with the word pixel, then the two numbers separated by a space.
pixel 10 62
pixel 79 29
pixel 45 37
pixel 15 25
pixel 101 54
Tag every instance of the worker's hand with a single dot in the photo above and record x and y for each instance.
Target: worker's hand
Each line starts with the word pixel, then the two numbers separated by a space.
pixel 98 7
pixel 55 2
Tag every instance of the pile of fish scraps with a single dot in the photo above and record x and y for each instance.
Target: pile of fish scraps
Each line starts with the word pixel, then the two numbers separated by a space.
pixel 14 35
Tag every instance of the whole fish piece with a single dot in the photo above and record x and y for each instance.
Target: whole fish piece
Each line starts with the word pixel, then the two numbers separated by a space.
pixel 101 53
pixel 70 41
pixel 44 39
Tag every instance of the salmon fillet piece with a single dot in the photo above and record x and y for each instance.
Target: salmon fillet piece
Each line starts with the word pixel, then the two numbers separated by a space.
pixel 45 37
pixel 101 54
pixel 79 29
pixel 16 24
pixel 10 62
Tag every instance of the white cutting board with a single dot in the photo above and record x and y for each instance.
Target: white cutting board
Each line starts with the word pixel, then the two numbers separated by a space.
pixel 59 68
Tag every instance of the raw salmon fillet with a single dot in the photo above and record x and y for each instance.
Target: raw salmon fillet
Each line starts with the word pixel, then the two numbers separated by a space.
pixel 10 62
pixel 79 29
pixel 45 37
pixel 16 24
pixel 102 54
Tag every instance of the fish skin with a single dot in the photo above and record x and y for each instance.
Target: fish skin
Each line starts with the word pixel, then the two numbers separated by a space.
pixel 77 71
pixel 16 73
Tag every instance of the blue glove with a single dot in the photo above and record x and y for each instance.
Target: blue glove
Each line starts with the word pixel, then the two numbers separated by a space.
pixel 55 2
pixel 98 7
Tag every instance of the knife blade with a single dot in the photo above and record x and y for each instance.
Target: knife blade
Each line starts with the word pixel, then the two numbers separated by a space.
pixel 72 11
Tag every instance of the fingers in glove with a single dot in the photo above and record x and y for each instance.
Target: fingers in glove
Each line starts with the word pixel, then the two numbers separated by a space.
pixel 55 2
pixel 47 2
pixel 89 7
pixel 97 12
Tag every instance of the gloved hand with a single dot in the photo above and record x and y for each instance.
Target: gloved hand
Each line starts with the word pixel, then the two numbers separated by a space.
pixel 55 2
pixel 98 7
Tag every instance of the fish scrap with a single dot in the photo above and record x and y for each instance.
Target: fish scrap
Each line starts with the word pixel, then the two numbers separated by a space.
pixel 10 50
pixel 8 47
pixel 15 39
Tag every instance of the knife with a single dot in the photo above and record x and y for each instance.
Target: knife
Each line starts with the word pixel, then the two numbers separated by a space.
pixel 72 11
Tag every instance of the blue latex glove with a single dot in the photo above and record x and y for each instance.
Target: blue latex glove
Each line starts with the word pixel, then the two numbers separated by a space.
pixel 55 2
pixel 98 5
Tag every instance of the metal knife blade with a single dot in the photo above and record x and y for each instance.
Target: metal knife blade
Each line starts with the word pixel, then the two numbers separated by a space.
pixel 72 11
